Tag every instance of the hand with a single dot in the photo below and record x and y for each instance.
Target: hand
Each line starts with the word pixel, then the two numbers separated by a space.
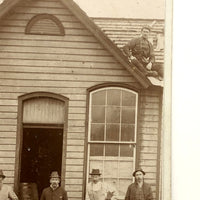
pixel 109 195
pixel 132 58
pixel 149 66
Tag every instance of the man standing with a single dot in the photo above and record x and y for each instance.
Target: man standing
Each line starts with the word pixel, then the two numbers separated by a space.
pixel 96 190
pixel 54 192
pixel 6 191
pixel 140 52
pixel 139 190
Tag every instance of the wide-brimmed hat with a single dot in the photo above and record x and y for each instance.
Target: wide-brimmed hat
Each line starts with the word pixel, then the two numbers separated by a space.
pixel 1 174
pixel 95 172
pixel 54 174
pixel 138 170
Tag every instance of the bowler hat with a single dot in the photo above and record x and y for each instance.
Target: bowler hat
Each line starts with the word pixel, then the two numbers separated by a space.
pixel 146 27
pixel 138 170
pixel 95 172
pixel 54 174
pixel 1 174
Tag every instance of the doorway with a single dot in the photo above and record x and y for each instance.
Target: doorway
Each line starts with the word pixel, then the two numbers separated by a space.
pixel 41 154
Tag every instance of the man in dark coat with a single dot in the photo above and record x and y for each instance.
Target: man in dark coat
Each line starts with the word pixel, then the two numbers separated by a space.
pixel 140 53
pixel 54 192
pixel 139 190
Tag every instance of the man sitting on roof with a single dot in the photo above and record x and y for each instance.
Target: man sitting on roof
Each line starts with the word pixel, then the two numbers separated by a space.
pixel 140 52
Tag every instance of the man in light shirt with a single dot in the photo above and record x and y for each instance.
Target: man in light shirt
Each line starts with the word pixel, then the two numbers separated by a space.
pixel 97 190
pixel 6 191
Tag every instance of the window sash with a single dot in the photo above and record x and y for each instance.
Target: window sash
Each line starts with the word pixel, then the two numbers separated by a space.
pixel 105 123
pixel 120 179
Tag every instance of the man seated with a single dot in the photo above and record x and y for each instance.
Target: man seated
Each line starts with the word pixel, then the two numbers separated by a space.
pixel 140 52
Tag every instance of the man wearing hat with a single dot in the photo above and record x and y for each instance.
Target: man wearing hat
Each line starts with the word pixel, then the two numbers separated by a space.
pixel 139 190
pixel 140 52
pixel 97 190
pixel 54 191
pixel 6 191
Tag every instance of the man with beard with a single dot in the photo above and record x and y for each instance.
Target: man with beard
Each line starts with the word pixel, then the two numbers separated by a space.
pixel 98 190
pixel 6 191
pixel 139 190
pixel 54 192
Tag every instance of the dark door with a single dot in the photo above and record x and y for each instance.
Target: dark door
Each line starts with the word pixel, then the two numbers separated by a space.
pixel 41 154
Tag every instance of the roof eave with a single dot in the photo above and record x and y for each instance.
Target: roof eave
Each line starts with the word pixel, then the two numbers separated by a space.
pixel 109 45
pixel 6 6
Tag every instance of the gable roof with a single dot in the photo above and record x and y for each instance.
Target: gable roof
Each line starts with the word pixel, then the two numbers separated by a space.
pixel 96 31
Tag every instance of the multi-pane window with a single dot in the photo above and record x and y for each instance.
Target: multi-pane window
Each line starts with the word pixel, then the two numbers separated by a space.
pixel 112 135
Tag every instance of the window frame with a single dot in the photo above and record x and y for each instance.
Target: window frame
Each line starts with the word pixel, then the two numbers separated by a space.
pixel 39 17
pixel 91 90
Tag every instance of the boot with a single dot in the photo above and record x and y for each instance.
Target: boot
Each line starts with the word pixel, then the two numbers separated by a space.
pixel 152 73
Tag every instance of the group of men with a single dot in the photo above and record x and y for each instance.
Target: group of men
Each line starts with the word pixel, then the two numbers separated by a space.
pixel 53 192
pixel 96 189
pixel 139 190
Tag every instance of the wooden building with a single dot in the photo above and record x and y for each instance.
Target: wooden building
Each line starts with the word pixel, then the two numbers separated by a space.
pixel 70 101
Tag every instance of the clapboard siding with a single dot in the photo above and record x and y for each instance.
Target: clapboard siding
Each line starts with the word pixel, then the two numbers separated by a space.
pixel 53 50
pixel 7 134
pixel 43 70
pixel 21 17
pixel 67 24
pixel 55 78
pixel 148 135
pixel 68 37
pixel 67 65
pixel 74 187
pixel 59 64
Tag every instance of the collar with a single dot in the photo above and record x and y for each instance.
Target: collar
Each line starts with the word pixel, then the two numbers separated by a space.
pixel 140 184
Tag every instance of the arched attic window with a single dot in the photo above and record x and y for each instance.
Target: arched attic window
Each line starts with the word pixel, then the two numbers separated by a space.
pixel 45 24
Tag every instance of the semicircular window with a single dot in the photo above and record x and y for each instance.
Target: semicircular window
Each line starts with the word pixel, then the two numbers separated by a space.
pixel 45 24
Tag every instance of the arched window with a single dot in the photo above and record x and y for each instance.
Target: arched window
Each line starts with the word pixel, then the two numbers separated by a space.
pixel 112 135
pixel 45 24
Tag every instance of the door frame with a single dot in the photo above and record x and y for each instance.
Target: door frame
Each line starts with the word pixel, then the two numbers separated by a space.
pixel 19 136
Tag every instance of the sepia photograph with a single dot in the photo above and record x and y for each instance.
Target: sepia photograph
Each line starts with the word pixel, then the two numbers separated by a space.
pixel 85 99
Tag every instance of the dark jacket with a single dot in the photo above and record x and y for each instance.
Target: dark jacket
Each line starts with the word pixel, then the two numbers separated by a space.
pixel 140 48
pixel 131 194
pixel 57 194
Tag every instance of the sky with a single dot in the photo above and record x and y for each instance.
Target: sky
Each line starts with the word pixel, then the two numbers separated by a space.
pixel 153 9
pixel 144 9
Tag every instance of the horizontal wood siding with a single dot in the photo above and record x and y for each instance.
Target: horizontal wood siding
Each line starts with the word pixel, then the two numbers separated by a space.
pixel 65 65
pixel 148 135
